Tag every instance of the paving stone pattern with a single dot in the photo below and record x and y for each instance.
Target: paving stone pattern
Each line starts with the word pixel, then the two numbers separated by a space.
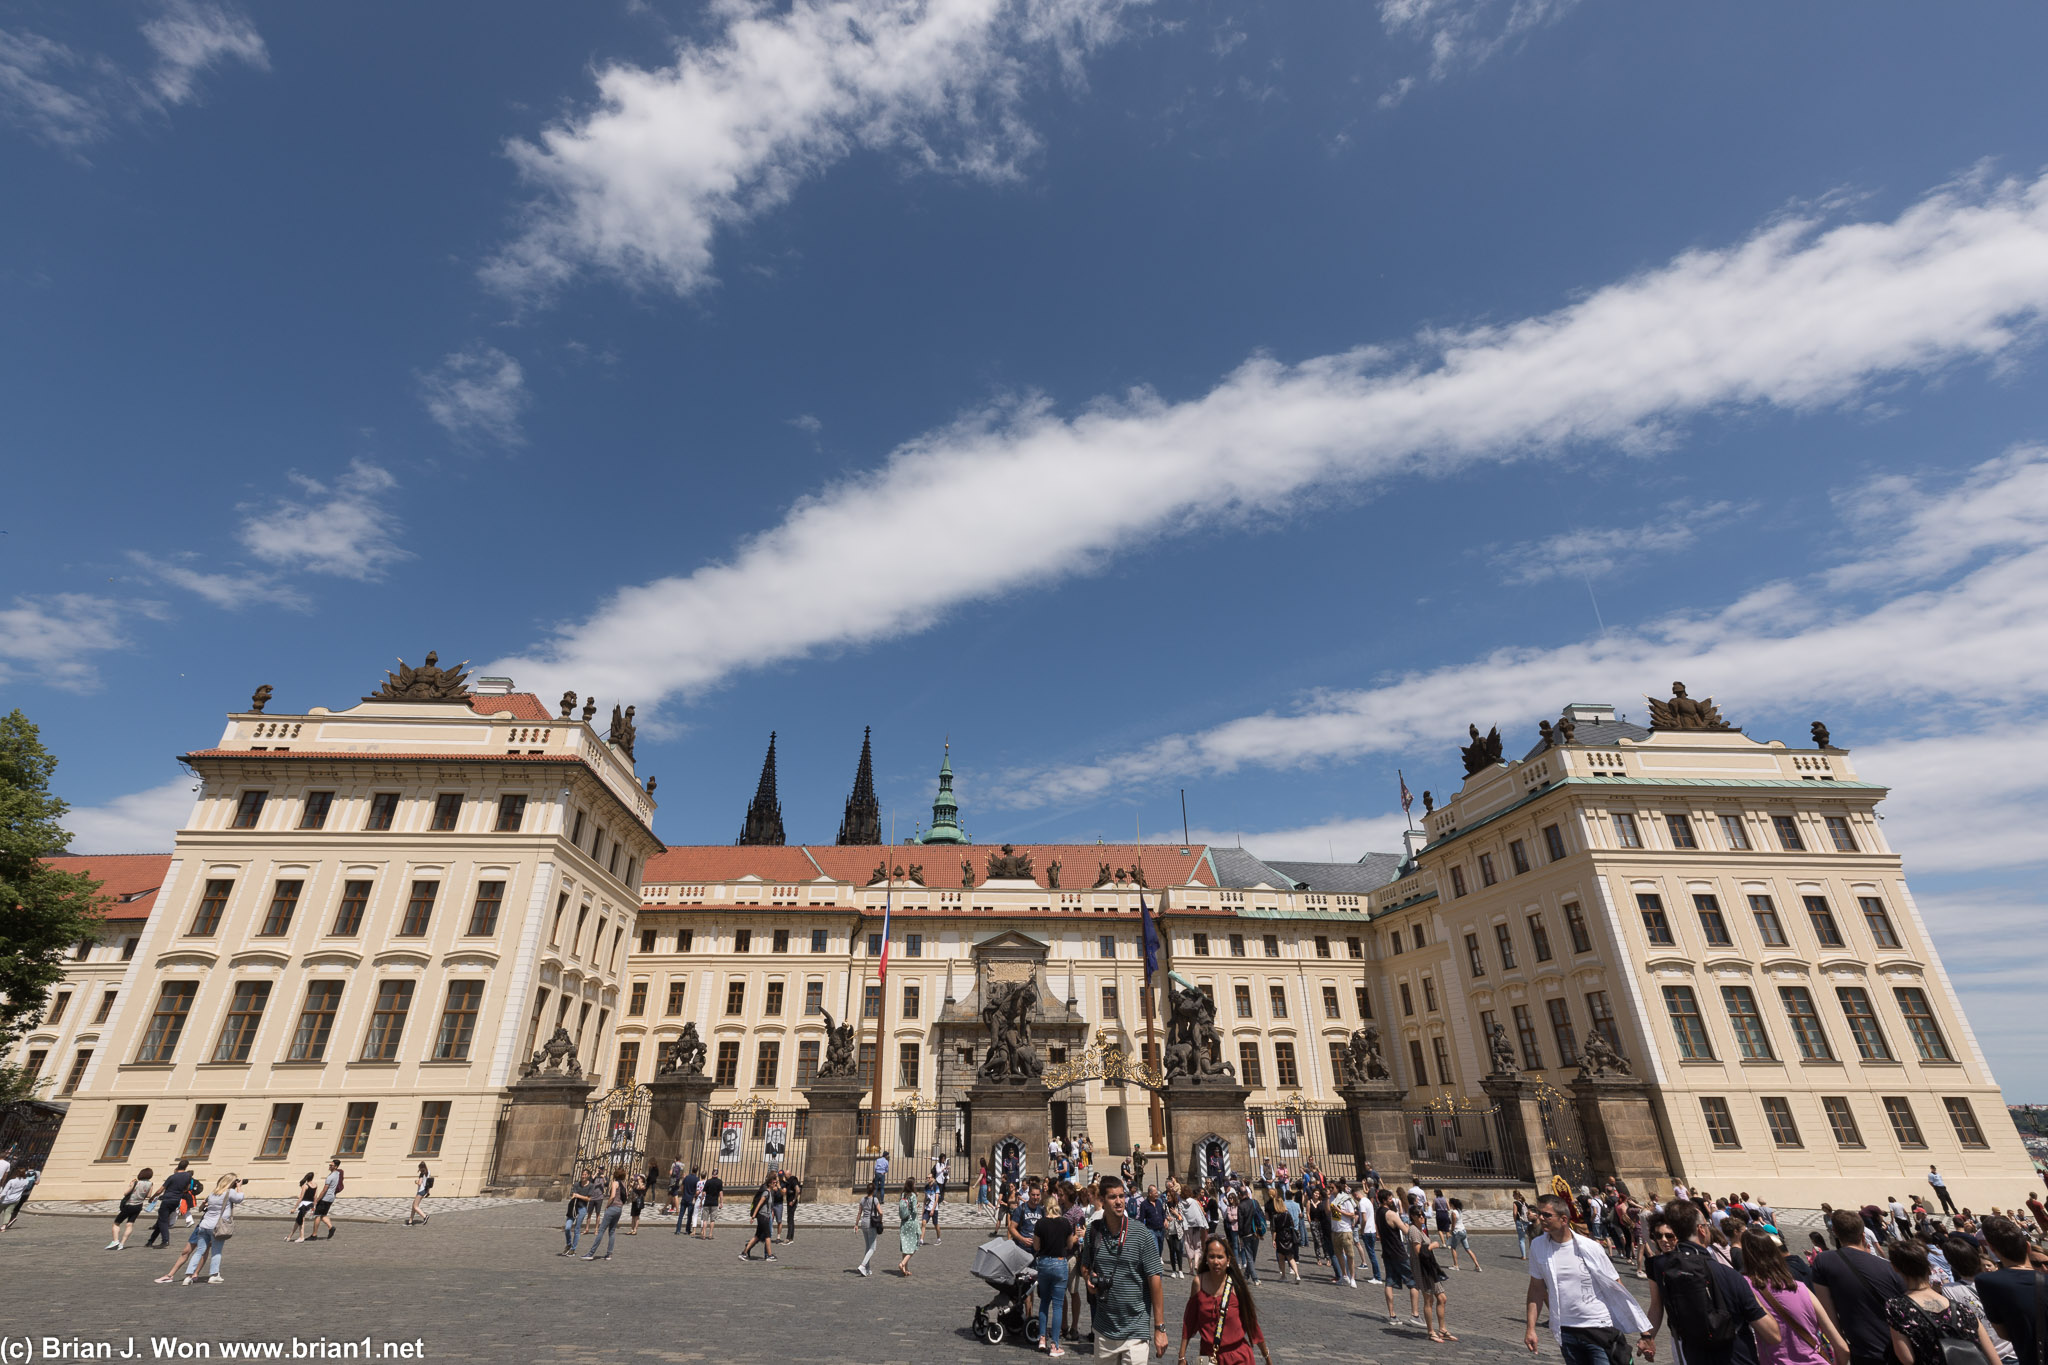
pixel 486 1284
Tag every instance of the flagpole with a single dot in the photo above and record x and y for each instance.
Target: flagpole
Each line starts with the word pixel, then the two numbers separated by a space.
pixel 882 994
pixel 1153 1114
pixel 1407 801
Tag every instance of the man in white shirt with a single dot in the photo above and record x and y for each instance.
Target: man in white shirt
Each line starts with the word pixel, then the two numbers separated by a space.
pixel 1590 1310
pixel 1343 1247
pixel 1948 1205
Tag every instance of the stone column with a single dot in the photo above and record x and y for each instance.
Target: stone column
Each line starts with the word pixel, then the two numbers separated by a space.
pixel 1378 1127
pixel 537 1147
pixel 998 1109
pixel 1196 1111
pixel 1620 1129
pixel 1520 1130
pixel 675 1118
pixel 835 1109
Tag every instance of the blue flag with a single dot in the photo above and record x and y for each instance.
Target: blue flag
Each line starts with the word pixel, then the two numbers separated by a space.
pixel 1151 937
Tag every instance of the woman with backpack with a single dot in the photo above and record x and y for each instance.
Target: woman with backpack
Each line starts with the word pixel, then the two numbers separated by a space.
pixel 1803 1324
pixel 869 1222
pixel 1928 1327
pixel 422 1187
pixel 132 1200
pixel 1286 1239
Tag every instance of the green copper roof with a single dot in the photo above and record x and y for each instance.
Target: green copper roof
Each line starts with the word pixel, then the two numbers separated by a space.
pixel 945 810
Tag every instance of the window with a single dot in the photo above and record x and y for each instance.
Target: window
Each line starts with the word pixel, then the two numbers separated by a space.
pixel 483 916
pixel 1905 1127
pixel 1429 994
pixel 511 814
pixel 33 1067
pixel 1712 922
pixel 1751 1040
pixel 726 1071
pixel 355 1129
pixel 1575 925
pixel 1443 1060
pixel 1364 1001
pixel 767 1062
pixel 1354 945
pixel 1457 881
pixel 1518 856
pixel 1807 1031
pixel 1767 923
pixel 1880 923
pixel 201 1132
pixel 447 811
pixel 1109 1002
pixel 647 940
pixel 1473 961
pixel 383 810
pixel 819 940
pixel 387 1021
pixel 277 1135
pixel 127 1127
pixel 1655 925
pixel 1236 946
pixel 1340 1068
pixel 736 996
pixel 912 998
pixel 871 1001
pixel 1788 833
pixel 1415 933
pixel 1863 1025
pixel 636 1000
pixel 249 809
pixel 1778 1118
pixel 1248 1065
pixel 908 1068
pixel 743 940
pixel 814 998
pixel 1285 1075
pixel 576 830
pixel 913 945
pixel 433 1127
pixel 82 950
pixel 1525 1032
pixel 1416 1065
pixel 1332 1007
pixel 78 1066
pixel 1824 927
pixel 283 901
pixel 1561 1029
pixel 313 815
pixel 675 999
pixel 1841 1120
pixel 1839 831
pixel 1601 1012
pixel 1407 1000
pixel 866 1065
pixel 1626 835
pixel 316 1022
pixel 1681 831
pixel 1539 938
pixel 1964 1120
pixel 806 1063
pixel 419 909
pixel 1243 996
pixel 1684 1009
pixel 1395 939
pixel 1322 945
pixel 1553 842
pixel 1277 995
pixel 211 906
pixel 1720 1123
pixel 245 1016
pixel 1920 1022
pixel 771 1002
pixel 683 940
pixel 57 1009
pixel 1736 834
pixel 167 1021
pixel 874 945
pixel 1487 876
pixel 1272 944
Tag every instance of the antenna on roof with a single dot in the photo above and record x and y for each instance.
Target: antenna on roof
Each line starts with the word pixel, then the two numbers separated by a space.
pixel 1184 816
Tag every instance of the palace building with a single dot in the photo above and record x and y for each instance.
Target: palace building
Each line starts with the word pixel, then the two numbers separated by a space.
pixel 1665 952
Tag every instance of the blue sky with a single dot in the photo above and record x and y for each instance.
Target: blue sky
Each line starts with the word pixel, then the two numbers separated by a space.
pixel 1230 397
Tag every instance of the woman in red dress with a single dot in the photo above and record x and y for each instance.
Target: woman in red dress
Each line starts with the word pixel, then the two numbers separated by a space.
pixel 1221 1317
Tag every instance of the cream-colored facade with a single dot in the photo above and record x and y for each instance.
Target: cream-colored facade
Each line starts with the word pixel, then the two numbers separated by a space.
pixel 368 919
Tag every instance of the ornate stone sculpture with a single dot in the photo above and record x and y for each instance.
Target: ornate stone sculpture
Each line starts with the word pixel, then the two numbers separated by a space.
pixel 915 872
pixel 1428 803
pixel 589 710
pixel 1482 752
pixel 1052 874
pixel 685 1055
pixel 259 699
pixel 838 1049
pixel 1601 1057
pixel 568 705
pixel 1138 875
pixel 1007 1012
pixel 1549 736
pixel 428 682
pixel 650 784
pixel 1566 728
pixel 1362 1057
pixel 1194 1049
pixel 1503 1051
pixel 1820 733
pixel 967 873
pixel 622 730
pixel 1010 865
pixel 556 1056
pixel 1103 876
pixel 1685 713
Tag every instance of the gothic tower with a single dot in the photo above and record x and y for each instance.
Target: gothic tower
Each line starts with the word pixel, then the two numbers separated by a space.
pixel 764 813
pixel 863 822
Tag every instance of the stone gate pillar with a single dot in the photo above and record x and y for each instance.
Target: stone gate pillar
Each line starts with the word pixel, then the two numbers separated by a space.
pixel 1620 1129
pixel 1377 1127
pixel 998 1110
pixel 835 1111
pixel 1214 1107
pixel 1520 1130
pixel 675 1118
pixel 537 1145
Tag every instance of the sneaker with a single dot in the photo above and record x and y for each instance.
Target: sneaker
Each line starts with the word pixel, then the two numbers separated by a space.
pixel 769 1258
pixel 186 1280
pixel 216 1279
pixel 111 1246
pixel 1375 1280
pixel 1418 1322
pixel 1350 1283
pixel 745 1257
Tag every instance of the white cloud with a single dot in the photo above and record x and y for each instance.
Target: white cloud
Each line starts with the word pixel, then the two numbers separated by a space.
pixel 1339 840
pixel 1991 944
pixel 52 639
pixel 1599 551
pixel 1461 33
pixel 341 528
pixel 190 38
pixel 807 423
pixel 1797 316
pixel 641 185
pixel 231 590
pixel 477 392
pixel 140 822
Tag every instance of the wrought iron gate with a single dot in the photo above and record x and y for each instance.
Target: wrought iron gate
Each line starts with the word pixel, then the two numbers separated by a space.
pixel 30 1127
pixel 1563 1142
pixel 742 1144
pixel 914 1133
pixel 1287 1137
pixel 1461 1140
pixel 614 1134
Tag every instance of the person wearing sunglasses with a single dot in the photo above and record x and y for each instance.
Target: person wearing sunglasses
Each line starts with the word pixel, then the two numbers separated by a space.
pixel 1571 1274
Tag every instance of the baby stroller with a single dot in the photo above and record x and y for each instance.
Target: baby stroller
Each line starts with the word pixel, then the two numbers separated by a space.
pixel 1007 1268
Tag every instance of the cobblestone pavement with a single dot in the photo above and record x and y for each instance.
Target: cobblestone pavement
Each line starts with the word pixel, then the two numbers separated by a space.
pixel 487 1284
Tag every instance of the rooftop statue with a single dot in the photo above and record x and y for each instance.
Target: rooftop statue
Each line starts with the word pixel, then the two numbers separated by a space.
pixel 1482 752
pixel 622 731
pixel 1685 713
pixel 428 682
pixel 259 699
pixel 568 705
pixel 1820 733
pixel 1010 865
pixel 1052 874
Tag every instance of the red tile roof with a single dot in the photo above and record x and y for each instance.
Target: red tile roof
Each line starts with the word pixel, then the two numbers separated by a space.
pixel 1165 864
pixel 522 705
pixel 730 862
pixel 130 881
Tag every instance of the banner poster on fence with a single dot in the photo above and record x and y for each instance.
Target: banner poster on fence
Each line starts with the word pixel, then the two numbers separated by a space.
pixel 778 1142
pixel 729 1140
pixel 1290 1139
pixel 1418 1139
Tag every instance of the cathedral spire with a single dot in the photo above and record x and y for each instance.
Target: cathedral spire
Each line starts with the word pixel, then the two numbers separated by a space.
pixel 945 809
pixel 764 813
pixel 863 822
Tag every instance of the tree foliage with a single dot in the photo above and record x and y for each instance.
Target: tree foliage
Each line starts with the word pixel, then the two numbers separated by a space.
pixel 43 911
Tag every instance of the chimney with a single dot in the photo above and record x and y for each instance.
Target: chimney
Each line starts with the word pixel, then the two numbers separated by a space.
pixel 491 687
pixel 1412 841
pixel 1590 712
